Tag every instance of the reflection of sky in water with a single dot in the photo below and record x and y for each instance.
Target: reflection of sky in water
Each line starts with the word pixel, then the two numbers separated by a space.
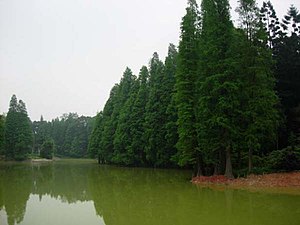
pixel 50 211
pixel 3 217
pixel 79 192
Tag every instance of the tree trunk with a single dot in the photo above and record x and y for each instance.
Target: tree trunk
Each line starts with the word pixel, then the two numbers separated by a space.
pixel 239 159
pixel 250 156
pixel 198 167
pixel 217 168
pixel 228 170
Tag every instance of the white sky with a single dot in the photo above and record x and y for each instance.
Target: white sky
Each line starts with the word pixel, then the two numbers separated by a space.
pixel 64 56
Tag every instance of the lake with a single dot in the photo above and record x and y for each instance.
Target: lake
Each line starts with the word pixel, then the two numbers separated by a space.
pixel 77 192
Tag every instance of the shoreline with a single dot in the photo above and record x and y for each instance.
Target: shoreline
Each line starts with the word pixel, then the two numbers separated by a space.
pixel 285 183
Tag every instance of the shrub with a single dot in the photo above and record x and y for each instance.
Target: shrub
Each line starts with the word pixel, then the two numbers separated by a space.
pixel 284 160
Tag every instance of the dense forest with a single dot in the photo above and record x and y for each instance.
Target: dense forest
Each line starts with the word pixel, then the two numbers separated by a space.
pixel 66 136
pixel 226 101
pixel 69 133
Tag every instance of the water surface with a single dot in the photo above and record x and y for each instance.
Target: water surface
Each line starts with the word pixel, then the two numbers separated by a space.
pixel 81 192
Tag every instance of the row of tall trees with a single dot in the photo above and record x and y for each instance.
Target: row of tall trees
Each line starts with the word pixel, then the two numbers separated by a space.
pixel 284 42
pixel 214 104
pixel 138 123
pixel 234 98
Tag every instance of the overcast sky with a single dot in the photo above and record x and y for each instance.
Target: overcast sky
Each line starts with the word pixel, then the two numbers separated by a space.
pixel 63 56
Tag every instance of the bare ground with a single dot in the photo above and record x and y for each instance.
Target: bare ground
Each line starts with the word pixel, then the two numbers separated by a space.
pixel 276 183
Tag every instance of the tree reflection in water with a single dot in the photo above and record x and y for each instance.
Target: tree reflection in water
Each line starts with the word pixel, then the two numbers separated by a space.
pixel 134 196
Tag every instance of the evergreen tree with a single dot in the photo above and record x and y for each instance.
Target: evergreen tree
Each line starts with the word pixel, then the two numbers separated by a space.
pixel 271 23
pixel 185 86
pixel 58 135
pixel 95 137
pixel 123 135
pixel 286 53
pixel 137 145
pixel 126 85
pixel 217 87
pixel 11 128
pixel 171 135
pixel 42 130
pixel 259 106
pixel 18 132
pixel 106 143
pixel 2 127
pixel 156 114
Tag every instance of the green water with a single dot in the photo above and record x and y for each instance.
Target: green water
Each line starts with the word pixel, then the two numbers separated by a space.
pixel 71 192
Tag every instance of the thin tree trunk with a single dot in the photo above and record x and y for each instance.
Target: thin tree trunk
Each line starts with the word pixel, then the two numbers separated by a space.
pixel 228 170
pixel 239 159
pixel 250 163
pixel 198 167
pixel 217 169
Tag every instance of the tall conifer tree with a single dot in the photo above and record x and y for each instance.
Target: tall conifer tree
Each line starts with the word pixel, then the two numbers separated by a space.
pixel 155 112
pixel 18 132
pixel 217 86
pixel 123 135
pixel 106 142
pixel 185 85
pixel 122 95
pixel 138 141
pixel 259 106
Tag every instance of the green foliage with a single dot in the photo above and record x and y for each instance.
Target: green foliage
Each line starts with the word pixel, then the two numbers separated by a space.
pixel 47 149
pixel 18 132
pixel 70 134
pixel 218 85
pixel 42 130
pixel 2 128
pixel 185 85
pixel 259 105
pixel 284 160
pixel 136 150
pixel 284 42
pixel 123 135
pixel 155 113
pixel 212 105
pixel 94 139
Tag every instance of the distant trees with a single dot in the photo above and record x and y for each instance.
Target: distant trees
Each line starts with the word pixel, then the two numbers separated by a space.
pixel 70 134
pixel 2 129
pixel 18 133
pixel 67 136
pixel 47 149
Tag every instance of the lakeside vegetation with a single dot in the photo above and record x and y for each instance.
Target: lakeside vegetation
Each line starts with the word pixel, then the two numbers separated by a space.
pixel 64 137
pixel 226 101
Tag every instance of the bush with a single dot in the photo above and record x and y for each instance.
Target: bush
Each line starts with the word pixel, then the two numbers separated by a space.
pixel 284 160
